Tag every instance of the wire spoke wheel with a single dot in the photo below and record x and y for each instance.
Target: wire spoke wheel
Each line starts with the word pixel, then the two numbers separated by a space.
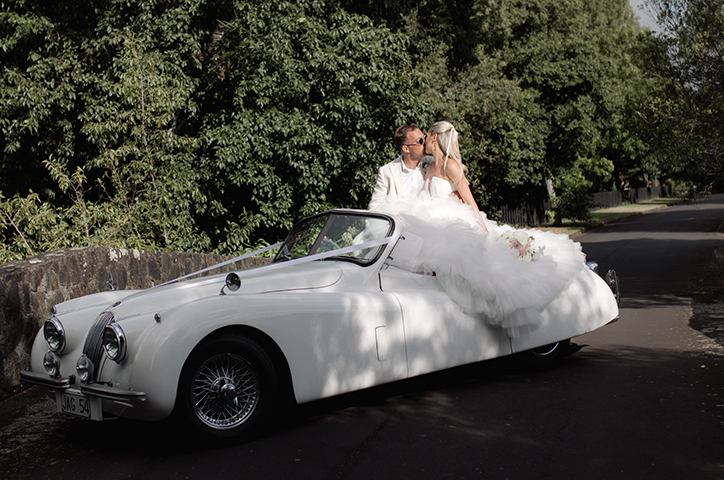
pixel 228 387
pixel 225 391
pixel 547 355
pixel 546 350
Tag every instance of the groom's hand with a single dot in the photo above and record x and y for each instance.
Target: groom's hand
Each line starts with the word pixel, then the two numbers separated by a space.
pixel 456 194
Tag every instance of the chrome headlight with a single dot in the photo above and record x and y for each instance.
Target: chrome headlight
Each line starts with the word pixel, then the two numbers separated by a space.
pixel 114 342
pixel 84 368
pixel 51 363
pixel 54 334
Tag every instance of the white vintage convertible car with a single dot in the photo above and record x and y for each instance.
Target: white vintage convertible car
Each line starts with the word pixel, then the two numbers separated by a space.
pixel 333 313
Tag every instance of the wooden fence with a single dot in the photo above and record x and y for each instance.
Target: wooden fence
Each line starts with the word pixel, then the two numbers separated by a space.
pixel 534 215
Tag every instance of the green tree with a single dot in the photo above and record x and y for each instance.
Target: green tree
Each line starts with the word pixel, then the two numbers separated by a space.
pixel 191 124
pixel 40 78
pixel 687 115
pixel 546 89
pixel 577 56
pixel 106 96
pixel 314 94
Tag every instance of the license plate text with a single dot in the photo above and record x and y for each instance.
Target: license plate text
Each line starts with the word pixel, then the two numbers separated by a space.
pixel 75 404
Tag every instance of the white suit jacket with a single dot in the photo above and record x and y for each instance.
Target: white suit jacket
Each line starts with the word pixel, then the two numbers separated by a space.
pixel 389 183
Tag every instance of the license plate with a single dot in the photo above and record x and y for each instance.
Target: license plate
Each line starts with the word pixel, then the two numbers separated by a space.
pixel 74 404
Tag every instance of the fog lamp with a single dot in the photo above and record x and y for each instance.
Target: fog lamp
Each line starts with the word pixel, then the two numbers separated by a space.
pixel 84 368
pixel 51 363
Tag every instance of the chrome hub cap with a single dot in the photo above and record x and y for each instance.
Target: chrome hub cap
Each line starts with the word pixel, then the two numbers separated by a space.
pixel 228 391
pixel 225 391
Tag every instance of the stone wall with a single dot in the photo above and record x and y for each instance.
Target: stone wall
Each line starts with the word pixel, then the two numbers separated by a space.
pixel 30 287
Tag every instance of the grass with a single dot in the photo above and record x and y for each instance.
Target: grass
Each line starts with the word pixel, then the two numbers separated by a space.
pixel 609 215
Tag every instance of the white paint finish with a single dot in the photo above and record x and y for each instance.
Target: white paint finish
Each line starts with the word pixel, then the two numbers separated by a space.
pixel 587 304
pixel 437 333
pixel 341 327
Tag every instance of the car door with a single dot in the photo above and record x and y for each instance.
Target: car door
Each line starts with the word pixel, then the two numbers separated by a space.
pixel 438 334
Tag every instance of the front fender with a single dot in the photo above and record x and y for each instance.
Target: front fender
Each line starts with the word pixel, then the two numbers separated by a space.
pixel 333 342
pixel 158 350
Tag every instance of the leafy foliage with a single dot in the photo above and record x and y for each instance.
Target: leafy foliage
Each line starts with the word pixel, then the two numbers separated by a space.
pixel 688 114
pixel 576 54
pixel 190 124
pixel 316 96
pixel 541 88
pixel 212 125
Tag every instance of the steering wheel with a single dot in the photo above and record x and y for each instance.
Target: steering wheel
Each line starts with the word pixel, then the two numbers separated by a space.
pixel 327 245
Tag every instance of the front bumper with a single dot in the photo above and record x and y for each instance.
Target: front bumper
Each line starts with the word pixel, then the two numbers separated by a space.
pixel 92 390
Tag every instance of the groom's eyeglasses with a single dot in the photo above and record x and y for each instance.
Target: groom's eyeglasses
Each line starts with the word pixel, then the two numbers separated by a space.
pixel 419 141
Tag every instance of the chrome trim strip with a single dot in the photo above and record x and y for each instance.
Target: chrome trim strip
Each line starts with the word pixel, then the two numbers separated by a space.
pixel 125 397
pixel 44 380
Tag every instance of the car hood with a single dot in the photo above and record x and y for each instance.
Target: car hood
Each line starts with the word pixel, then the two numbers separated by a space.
pixel 259 280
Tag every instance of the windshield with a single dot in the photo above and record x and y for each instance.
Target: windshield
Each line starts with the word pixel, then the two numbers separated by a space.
pixel 333 231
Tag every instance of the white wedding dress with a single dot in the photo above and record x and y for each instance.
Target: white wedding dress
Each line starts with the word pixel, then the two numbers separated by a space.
pixel 480 271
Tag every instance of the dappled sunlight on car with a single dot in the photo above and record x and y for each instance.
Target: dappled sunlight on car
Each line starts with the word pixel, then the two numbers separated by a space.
pixel 342 342
pixel 342 308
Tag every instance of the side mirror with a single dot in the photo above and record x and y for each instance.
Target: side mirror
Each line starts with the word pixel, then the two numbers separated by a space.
pixel 232 282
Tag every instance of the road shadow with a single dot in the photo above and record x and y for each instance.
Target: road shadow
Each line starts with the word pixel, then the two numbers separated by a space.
pixel 665 402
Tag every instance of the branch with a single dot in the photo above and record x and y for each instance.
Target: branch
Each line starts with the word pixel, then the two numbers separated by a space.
pixel 19 232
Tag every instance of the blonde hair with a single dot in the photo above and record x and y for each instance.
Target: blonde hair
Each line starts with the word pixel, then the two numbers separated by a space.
pixel 447 139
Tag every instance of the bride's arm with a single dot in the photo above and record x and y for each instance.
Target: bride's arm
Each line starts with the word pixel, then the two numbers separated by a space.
pixel 455 173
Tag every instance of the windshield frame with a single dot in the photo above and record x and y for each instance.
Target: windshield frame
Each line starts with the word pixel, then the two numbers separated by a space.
pixel 283 254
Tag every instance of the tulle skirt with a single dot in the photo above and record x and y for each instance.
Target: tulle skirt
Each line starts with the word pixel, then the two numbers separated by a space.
pixel 506 276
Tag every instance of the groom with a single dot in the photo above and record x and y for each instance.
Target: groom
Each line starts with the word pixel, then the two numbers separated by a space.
pixel 402 176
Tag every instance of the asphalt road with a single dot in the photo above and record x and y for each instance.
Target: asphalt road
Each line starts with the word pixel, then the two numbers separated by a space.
pixel 642 398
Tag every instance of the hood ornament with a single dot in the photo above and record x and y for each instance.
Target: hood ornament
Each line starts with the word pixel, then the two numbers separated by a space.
pixel 109 282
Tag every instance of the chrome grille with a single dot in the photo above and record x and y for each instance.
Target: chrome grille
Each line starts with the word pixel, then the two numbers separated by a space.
pixel 93 348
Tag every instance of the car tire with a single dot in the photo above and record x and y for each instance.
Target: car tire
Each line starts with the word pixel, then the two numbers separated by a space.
pixel 228 387
pixel 547 355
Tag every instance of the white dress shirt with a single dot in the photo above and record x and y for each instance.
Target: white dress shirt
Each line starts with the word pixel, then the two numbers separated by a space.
pixel 412 180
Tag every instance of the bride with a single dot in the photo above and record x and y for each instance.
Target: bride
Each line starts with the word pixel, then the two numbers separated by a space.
pixel 505 276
